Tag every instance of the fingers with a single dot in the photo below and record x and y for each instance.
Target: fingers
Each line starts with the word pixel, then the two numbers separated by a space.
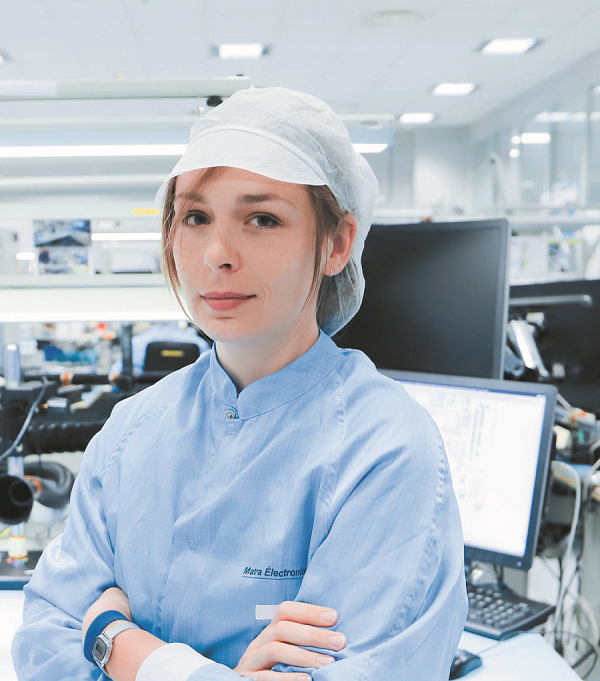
pixel 296 626
pixel 305 635
pixel 305 613
pixel 277 652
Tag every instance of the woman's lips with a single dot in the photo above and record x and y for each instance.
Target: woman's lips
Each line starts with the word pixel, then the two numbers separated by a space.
pixel 224 304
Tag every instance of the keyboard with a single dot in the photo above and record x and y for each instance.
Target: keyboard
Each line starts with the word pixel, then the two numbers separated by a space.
pixel 497 611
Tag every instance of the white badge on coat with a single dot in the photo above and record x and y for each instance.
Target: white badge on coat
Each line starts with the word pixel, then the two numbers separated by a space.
pixel 265 612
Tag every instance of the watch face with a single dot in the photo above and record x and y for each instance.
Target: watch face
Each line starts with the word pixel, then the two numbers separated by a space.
pixel 99 649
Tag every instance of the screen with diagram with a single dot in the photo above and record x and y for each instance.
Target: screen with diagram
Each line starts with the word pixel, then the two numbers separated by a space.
pixel 492 440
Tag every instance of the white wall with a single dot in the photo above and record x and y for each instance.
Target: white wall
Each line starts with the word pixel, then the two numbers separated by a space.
pixel 441 173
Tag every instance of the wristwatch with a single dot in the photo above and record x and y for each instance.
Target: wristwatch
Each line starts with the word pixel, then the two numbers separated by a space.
pixel 104 643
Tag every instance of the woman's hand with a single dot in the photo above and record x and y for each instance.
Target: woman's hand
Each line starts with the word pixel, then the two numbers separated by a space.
pixel 112 599
pixel 294 625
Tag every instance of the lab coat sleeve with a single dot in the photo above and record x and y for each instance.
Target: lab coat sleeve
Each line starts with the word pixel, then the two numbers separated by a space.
pixel 391 564
pixel 73 571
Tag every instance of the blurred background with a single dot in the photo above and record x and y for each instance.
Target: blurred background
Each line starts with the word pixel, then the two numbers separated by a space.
pixel 469 111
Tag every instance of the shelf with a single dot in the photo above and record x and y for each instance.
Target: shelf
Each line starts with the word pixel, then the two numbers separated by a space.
pixel 103 298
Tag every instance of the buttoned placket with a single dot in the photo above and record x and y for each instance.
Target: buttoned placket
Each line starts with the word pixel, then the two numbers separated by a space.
pixel 230 415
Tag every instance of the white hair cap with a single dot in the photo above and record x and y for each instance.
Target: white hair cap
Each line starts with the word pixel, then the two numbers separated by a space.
pixel 292 137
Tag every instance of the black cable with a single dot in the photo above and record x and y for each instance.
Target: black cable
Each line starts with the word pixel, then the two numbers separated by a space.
pixel 30 414
pixel 53 482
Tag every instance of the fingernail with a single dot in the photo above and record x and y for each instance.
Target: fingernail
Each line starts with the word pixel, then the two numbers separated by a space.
pixel 337 641
pixel 329 616
pixel 322 660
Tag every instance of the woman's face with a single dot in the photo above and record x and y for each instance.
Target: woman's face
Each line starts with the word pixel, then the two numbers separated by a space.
pixel 243 234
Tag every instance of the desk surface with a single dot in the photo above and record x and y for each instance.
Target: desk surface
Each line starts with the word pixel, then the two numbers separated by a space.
pixel 524 658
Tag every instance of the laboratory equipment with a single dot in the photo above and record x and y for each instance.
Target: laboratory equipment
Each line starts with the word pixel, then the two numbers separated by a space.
pixel 566 317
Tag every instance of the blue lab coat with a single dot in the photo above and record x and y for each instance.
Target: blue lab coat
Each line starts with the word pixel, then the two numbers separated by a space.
pixel 323 482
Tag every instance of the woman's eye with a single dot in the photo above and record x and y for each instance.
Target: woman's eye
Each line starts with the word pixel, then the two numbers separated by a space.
pixel 195 219
pixel 265 221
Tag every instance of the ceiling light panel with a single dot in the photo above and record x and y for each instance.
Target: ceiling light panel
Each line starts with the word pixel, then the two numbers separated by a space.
pixel 502 46
pixel 578 117
pixel 416 118
pixel 241 50
pixel 450 89
pixel 369 148
pixel 535 138
pixel 89 151
pixel 552 117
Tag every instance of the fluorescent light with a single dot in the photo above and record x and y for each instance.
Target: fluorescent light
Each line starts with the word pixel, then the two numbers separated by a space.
pixel 126 236
pixel 417 118
pixel 446 89
pixel 535 138
pixel 94 151
pixel 501 46
pixel 578 117
pixel 514 153
pixel 116 314
pixel 369 148
pixel 515 139
pixel 25 255
pixel 552 117
pixel 241 50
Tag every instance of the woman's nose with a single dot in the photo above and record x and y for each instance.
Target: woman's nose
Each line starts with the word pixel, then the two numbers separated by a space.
pixel 221 252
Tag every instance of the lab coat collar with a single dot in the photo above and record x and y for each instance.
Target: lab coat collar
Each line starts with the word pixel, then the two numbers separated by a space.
pixel 279 388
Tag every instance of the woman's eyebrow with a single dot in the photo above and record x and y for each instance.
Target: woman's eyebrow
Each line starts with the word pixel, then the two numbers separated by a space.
pixel 190 196
pixel 261 198
pixel 245 199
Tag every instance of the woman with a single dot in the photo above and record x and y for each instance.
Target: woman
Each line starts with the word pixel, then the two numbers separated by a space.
pixel 278 476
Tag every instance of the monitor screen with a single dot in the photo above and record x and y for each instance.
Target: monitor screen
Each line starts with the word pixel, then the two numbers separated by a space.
pixel 498 437
pixel 435 298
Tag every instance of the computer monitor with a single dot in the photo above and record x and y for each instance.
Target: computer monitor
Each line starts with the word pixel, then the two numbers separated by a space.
pixel 571 335
pixel 435 298
pixel 498 438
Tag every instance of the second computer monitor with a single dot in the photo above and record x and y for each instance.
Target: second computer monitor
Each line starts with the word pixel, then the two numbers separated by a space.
pixel 435 298
pixel 498 438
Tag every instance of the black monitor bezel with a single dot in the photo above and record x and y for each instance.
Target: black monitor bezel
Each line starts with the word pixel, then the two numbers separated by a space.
pixel 473 553
pixel 500 225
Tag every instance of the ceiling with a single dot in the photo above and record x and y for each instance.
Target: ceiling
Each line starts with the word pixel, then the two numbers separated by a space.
pixel 329 48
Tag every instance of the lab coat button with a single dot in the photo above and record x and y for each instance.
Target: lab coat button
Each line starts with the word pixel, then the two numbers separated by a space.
pixel 231 429
pixel 230 414
pixel 191 545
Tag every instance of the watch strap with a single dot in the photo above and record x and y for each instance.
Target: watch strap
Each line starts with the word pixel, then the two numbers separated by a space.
pixel 97 627
pixel 107 638
pixel 117 628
